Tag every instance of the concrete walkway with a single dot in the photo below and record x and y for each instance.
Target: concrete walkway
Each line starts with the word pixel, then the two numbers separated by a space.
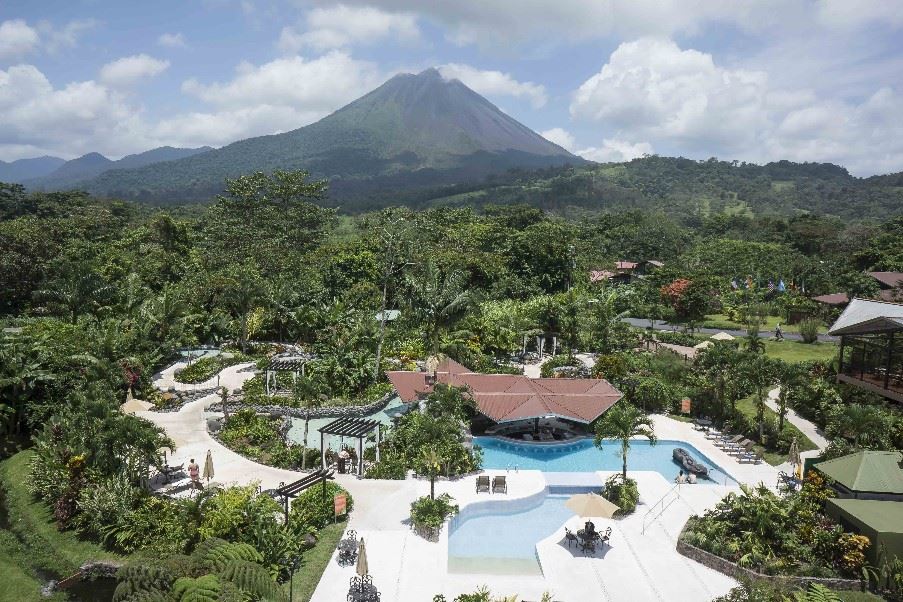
pixel 805 426
pixel 232 377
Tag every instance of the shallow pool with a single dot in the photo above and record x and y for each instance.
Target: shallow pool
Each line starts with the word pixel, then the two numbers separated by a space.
pixel 503 541
pixel 296 432
pixel 584 456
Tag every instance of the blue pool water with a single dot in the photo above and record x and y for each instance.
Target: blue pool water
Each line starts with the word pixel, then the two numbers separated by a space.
pixel 504 541
pixel 584 456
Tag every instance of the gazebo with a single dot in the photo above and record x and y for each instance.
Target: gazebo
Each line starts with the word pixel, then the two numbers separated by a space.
pixel 294 363
pixel 355 428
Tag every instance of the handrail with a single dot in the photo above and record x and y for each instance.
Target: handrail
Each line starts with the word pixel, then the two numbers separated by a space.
pixel 664 507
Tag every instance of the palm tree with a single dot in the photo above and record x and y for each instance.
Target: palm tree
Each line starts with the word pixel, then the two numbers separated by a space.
pixel 789 376
pixel 439 300
pixel 80 292
pixel 430 464
pixel 308 395
pixel 606 318
pixel 760 372
pixel 244 292
pixel 718 363
pixel 623 422
pixel 21 372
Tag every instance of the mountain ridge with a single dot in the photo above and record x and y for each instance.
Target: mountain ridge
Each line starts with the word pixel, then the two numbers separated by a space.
pixel 410 129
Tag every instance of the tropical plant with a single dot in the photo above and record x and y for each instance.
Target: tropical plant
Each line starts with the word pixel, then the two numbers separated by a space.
pixel 308 394
pixel 438 299
pixel 622 492
pixel 79 292
pixel 809 330
pixel 428 514
pixel 623 422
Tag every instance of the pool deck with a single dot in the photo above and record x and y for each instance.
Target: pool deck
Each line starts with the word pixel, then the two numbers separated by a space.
pixel 407 568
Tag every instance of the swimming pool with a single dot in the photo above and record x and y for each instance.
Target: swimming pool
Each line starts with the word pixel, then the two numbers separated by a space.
pixel 584 456
pixel 501 540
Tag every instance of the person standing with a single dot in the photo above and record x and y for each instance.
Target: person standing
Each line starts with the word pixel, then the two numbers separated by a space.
pixel 194 473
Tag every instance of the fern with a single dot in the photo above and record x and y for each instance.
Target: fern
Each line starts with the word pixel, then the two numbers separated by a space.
pixel 250 577
pixel 213 554
pixel 202 589
pixel 136 580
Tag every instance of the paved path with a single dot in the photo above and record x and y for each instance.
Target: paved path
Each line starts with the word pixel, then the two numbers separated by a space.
pixel 805 426
pixel 662 325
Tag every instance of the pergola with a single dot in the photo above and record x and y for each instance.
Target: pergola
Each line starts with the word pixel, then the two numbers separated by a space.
pixel 293 489
pixel 285 363
pixel 355 428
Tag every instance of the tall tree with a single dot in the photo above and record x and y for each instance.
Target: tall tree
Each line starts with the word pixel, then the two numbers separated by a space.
pixel 623 422
pixel 394 236
pixel 438 300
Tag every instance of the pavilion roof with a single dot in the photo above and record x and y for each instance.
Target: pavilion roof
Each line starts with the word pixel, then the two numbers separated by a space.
pixel 510 397
pixel 864 316
pixel 867 471
pixel 833 299
pixel 288 362
pixel 888 279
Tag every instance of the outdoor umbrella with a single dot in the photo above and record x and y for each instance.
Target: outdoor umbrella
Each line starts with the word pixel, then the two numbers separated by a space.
pixel 208 466
pixel 135 405
pixel 591 505
pixel 703 345
pixel 722 336
pixel 362 569
pixel 794 454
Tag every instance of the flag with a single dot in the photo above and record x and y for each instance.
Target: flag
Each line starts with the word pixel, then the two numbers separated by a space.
pixel 749 282
pixel 771 286
pixel 781 287
pixel 734 284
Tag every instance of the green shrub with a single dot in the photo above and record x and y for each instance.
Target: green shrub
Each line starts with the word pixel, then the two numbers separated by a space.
pixel 624 494
pixel 809 330
pixel 104 504
pixel 559 361
pixel 428 514
pixel 390 466
pixel 313 509
pixel 208 367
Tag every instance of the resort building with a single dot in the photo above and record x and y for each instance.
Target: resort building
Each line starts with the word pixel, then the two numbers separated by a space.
pixel 515 405
pixel 625 272
pixel 871 347
pixel 890 288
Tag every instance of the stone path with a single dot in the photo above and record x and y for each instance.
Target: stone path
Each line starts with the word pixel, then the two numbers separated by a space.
pixel 805 426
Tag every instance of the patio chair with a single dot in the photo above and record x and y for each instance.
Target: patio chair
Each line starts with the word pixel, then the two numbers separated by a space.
pixel 604 540
pixel 499 484
pixel 714 434
pixel 570 537
pixel 483 483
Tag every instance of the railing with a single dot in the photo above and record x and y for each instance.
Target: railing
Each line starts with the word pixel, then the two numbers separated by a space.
pixel 661 502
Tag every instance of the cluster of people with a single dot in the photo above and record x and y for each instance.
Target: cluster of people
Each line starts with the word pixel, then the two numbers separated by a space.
pixel 685 478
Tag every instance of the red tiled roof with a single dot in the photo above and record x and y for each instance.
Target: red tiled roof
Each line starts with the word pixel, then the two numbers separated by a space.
pixel 509 397
pixel 893 295
pixel 832 299
pixel 888 279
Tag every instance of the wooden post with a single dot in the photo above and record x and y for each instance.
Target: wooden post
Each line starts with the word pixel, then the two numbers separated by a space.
pixel 890 356
pixel 322 451
pixel 360 457
pixel 840 362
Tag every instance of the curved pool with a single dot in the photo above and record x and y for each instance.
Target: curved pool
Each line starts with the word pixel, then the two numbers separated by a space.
pixel 584 456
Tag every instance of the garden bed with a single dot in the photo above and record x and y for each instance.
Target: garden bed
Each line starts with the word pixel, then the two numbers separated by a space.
pixel 207 367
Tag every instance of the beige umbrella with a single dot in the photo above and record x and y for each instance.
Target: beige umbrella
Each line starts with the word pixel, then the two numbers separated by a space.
pixel 794 454
pixel 722 336
pixel 703 345
pixel 208 466
pixel 362 568
pixel 591 505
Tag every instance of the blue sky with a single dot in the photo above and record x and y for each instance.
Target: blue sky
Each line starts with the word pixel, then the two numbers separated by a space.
pixel 804 80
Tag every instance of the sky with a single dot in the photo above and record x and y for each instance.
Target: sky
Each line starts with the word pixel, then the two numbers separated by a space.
pixel 610 80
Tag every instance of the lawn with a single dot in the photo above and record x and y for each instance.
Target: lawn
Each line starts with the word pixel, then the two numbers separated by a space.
pixel 747 406
pixel 794 352
pixel 724 323
pixel 41 546
pixel 314 562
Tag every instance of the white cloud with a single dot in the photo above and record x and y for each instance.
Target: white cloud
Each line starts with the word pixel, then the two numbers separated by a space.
pixel 78 118
pixel 652 90
pixel 341 26
pixel 56 39
pixel 130 69
pixel 172 40
pixel 614 150
pixel 561 137
pixel 495 83
pixel 851 14
pixel 17 38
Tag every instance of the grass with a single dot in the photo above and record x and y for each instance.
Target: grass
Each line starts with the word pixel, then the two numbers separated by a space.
pixel 43 547
pixel 724 323
pixel 315 561
pixel 794 352
pixel 858 596
pixel 747 406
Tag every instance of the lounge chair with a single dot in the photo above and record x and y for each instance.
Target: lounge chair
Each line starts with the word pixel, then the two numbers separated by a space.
pixel 499 485
pixel 732 442
pixel 744 447
pixel 751 458
pixel 570 537
pixel 714 434
pixel 483 483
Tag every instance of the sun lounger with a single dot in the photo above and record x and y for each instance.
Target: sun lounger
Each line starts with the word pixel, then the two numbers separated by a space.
pixel 732 442
pixel 499 485
pixel 751 458
pixel 744 447
pixel 483 483
pixel 714 434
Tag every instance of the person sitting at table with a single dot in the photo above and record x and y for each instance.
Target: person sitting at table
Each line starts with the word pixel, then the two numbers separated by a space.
pixel 589 528
pixel 691 478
